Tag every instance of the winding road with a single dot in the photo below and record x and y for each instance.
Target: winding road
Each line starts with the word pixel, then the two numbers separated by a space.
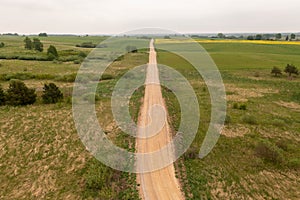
pixel 161 184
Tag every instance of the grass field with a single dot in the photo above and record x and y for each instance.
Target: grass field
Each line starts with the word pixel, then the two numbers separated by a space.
pixel 258 150
pixel 256 157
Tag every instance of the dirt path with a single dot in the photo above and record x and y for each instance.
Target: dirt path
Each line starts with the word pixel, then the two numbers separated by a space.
pixel 161 184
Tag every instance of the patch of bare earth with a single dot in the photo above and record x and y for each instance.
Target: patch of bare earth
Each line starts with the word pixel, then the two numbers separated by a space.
pixel 234 130
pixel 243 94
pixel 291 105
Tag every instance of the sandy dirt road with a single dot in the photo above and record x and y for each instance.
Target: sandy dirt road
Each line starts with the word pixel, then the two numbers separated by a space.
pixel 161 184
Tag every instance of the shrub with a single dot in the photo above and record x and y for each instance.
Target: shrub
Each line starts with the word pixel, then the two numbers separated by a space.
pixel 294 163
pixel 19 94
pixel 249 119
pixel 82 54
pixel 235 106
pixel 37 45
pixel 268 152
pixel 86 45
pixel 243 107
pixel 2 96
pixel 51 94
pixel 2 45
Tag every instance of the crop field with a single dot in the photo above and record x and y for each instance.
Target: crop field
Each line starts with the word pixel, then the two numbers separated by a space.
pixel 256 157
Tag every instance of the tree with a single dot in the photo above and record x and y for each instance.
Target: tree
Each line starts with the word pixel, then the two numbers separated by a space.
pixel 278 36
pixel 221 35
pixel 2 45
pixel 43 35
pixel 250 37
pixel 293 36
pixel 28 43
pixel 19 94
pixel 291 69
pixel 51 94
pixel 52 52
pixel 2 96
pixel 276 71
pixel 37 45
pixel 287 38
pixel 258 37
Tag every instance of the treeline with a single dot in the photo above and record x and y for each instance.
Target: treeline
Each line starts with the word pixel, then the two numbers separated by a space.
pixel 18 94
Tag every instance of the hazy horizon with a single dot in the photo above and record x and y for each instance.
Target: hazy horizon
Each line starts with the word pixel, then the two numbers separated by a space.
pixel 118 16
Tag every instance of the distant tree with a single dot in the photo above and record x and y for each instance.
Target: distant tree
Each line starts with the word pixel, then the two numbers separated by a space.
pixel 250 37
pixel 291 69
pixel 131 49
pixel 258 37
pixel 37 45
pixel 28 43
pixel 293 36
pixel 2 96
pixel 287 38
pixel 19 94
pixel 2 45
pixel 167 37
pixel 43 35
pixel 52 52
pixel 278 36
pixel 276 71
pixel 221 35
pixel 51 94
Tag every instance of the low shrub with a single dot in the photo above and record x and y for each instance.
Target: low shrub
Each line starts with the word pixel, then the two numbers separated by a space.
pixel 2 96
pixel 235 106
pixel 269 152
pixel 249 119
pixel 243 107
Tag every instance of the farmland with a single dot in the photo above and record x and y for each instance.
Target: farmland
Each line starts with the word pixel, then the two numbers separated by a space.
pixel 257 155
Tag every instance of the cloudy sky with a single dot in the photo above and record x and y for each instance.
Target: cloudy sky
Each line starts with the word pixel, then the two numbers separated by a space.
pixel 117 16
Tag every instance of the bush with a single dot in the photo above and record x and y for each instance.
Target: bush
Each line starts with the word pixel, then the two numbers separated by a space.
pixel 19 94
pixel 2 45
pixel 227 119
pixel 51 94
pixel 243 107
pixel 249 119
pixel 2 96
pixel 86 45
pixel 235 106
pixel 82 54
pixel 268 152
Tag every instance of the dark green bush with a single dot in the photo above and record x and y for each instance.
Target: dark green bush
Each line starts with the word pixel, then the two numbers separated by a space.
pixel 2 96
pixel 2 45
pixel 19 94
pixel 51 94
pixel 243 107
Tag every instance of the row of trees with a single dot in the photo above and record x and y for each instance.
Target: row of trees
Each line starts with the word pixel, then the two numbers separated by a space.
pixel 18 94
pixel 277 36
pixel 37 45
pixel 289 69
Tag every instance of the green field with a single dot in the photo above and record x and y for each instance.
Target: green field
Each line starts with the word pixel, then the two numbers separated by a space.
pixel 256 157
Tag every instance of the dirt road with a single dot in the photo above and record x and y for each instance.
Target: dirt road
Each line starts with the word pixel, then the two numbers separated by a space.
pixel 161 184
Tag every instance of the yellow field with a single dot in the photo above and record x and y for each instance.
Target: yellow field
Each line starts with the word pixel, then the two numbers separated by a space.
pixel 161 41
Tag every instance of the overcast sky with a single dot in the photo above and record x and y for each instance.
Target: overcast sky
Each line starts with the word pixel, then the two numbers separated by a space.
pixel 117 16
